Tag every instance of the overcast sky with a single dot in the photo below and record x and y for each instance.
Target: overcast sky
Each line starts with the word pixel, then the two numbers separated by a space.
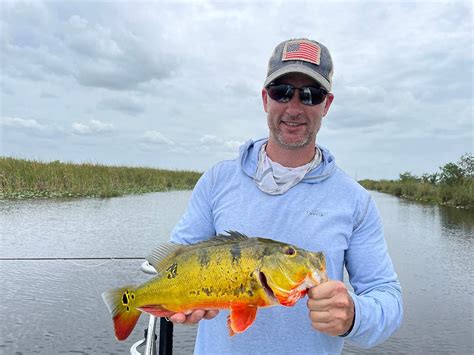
pixel 177 85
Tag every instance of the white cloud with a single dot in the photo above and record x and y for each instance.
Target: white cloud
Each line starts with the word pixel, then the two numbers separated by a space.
pixel 123 104
pixel 210 140
pixel 155 137
pixel 228 146
pixel 94 127
pixel 22 123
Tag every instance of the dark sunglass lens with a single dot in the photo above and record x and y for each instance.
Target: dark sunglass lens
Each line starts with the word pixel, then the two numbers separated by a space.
pixel 281 93
pixel 311 95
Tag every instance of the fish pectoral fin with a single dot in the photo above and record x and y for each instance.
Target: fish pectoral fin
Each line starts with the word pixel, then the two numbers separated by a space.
pixel 163 254
pixel 240 318
pixel 156 310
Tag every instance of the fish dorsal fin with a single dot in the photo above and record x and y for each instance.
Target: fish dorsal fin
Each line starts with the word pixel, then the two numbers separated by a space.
pixel 161 256
pixel 231 236
pixel 163 253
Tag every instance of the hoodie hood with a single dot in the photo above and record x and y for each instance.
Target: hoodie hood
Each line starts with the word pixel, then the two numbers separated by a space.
pixel 248 157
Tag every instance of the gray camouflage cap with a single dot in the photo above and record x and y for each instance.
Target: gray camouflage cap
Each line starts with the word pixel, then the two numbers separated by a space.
pixel 301 55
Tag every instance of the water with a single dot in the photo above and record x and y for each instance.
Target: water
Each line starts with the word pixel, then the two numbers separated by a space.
pixel 54 307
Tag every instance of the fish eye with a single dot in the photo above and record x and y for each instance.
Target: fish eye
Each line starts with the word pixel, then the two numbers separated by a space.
pixel 290 251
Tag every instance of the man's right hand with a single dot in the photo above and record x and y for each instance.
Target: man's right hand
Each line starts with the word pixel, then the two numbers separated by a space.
pixel 194 317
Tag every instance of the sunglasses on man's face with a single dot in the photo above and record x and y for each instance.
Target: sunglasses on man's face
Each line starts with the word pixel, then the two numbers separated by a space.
pixel 309 95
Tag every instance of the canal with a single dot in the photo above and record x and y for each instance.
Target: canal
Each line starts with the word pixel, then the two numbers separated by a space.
pixel 54 306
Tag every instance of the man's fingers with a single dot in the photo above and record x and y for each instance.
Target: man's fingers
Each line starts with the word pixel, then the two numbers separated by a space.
pixel 192 317
pixel 326 289
pixel 195 316
pixel 211 314
pixel 318 305
pixel 177 318
pixel 319 317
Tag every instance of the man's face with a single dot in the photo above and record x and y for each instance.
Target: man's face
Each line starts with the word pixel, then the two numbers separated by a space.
pixel 294 125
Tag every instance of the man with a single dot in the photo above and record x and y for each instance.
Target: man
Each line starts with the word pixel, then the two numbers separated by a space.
pixel 289 189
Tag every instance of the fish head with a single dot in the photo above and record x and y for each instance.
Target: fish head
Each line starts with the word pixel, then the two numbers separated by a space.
pixel 287 272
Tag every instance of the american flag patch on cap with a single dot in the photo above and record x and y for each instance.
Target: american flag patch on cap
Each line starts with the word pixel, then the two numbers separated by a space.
pixel 302 50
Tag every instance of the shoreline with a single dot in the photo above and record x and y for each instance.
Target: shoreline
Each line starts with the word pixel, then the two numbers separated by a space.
pixel 459 195
pixel 29 179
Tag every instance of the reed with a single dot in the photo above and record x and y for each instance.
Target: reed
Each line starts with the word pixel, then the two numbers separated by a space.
pixel 458 195
pixel 453 185
pixel 21 178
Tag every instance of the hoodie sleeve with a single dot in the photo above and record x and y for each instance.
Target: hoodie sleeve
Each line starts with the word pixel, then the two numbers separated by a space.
pixel 197 223
pixel 377 292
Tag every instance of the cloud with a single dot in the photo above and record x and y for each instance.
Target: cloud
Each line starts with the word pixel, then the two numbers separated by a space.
pixel 211 141
pixel 115 58
pixel 94 127
pixel 155 137
pixel 48 95
pixel 21 123
pixel 122 104
pixel 95 54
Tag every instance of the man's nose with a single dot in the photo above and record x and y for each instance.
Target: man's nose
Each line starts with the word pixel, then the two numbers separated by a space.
pixel 294 106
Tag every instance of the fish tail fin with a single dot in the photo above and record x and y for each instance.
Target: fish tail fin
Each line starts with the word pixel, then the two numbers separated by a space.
pixel 121 305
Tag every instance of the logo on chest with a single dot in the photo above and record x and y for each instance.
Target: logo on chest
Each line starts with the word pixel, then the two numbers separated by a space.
pixel 315 213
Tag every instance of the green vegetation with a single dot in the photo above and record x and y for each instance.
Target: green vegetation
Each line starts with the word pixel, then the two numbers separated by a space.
pixel 452 185
pixel 30 179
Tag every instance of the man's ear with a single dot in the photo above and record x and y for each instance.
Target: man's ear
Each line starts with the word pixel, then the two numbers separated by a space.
pixel 264 99
pixel 327 103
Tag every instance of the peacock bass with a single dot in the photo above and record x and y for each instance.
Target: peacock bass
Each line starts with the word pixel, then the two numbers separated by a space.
pixel 229 271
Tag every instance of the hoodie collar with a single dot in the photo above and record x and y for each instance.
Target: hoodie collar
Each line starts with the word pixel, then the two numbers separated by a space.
pixel 248 158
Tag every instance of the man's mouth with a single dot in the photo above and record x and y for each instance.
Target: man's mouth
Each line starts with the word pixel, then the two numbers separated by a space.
pixel 293 124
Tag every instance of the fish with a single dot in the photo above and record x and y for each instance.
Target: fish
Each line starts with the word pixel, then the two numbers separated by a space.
pixel 228 271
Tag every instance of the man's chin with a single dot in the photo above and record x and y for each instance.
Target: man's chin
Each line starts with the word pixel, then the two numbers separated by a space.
pixel 293 143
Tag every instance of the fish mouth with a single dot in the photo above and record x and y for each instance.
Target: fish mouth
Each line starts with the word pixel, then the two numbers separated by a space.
pixel 268 290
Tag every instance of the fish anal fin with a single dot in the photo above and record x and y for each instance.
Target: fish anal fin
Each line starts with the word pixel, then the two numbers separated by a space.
pixel 240 318
pixel 156 310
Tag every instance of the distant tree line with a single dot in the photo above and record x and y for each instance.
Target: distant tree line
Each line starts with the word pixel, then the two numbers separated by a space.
pixel 452 184
pixel 449 174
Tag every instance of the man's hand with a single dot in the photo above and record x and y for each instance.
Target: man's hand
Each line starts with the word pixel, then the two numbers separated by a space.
pixel 331 308
pixel 194 317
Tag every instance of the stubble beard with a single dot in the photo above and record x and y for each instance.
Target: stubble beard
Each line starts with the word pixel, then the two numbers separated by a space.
pixel 308 138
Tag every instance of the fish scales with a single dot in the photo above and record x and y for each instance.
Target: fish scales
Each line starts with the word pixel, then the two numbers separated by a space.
pixel 195 279
pixel 231 271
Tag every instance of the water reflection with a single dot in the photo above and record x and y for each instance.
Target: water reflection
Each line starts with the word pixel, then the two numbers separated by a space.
pixel 430 247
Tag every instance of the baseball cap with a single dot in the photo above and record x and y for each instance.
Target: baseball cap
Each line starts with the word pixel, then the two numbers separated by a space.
pixel 301 55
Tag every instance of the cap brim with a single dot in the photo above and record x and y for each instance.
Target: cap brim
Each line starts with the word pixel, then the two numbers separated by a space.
pixel 298 68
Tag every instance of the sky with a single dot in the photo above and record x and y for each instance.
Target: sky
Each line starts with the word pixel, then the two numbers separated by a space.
pixel 177 85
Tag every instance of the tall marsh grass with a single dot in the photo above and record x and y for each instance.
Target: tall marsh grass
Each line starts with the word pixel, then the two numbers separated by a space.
pixel 28 179
pixel 453 185
pixel 459 195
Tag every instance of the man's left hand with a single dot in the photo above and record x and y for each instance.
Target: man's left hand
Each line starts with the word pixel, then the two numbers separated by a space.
pixel 331 308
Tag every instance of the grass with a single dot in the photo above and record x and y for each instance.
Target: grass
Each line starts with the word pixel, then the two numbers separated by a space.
pixel 32 179
pixel 460 194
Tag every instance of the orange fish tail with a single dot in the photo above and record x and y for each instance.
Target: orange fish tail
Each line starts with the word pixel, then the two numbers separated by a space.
pixel 120 303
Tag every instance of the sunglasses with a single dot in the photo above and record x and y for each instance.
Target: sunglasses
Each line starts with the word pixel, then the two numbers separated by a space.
pixel 309 95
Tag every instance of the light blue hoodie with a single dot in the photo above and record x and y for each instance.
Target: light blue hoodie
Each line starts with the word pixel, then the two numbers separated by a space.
pixel 327 211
